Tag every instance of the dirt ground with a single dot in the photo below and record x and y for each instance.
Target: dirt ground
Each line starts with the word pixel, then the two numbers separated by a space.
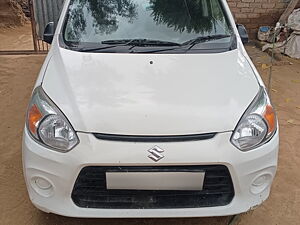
pixel 17 76
pixel 18 38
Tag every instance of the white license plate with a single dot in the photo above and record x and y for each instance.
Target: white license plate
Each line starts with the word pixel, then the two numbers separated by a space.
pixel 155 180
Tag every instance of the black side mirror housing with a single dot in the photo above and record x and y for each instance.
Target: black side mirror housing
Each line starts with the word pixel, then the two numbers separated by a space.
pixel 49 33
pixel 243 33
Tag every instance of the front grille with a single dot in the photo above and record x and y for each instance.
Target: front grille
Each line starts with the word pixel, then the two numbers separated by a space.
pixel 164 138
pixel 90 189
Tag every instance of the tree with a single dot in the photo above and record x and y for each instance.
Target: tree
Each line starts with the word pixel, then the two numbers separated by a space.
pixel 103 14
pixel 194 16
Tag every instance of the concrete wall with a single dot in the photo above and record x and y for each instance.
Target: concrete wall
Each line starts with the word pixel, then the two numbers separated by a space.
pixel 256 13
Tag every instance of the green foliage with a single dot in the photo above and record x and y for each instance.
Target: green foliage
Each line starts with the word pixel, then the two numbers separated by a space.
pixel 194 16
pixel 104 15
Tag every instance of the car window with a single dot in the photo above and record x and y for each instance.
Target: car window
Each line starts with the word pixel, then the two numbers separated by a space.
pixel 176 21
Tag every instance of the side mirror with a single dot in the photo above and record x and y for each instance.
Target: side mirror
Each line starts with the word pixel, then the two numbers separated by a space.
pixel 243 33
pixel 49 33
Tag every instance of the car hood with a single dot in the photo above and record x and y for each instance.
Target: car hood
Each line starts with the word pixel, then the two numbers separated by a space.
pixel 150 94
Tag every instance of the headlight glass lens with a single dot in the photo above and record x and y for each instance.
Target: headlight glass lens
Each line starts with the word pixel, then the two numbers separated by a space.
pixel 257 125
pixel 55 132
pixel 47 124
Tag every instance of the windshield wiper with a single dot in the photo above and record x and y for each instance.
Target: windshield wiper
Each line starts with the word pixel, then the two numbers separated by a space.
pixel 148 43
pixel 141 42
pixel 110 44
pixel 129 42
pixel 191 43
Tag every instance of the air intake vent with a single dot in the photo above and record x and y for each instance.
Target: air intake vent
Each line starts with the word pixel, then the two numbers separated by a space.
pixel 90 189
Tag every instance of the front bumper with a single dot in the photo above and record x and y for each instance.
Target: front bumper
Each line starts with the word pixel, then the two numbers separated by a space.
pixel 62 169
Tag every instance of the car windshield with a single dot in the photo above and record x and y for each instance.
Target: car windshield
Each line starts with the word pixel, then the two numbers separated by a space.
pixel 104 24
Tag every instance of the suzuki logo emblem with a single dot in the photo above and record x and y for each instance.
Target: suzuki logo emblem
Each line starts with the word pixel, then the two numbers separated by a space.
pixel 156 153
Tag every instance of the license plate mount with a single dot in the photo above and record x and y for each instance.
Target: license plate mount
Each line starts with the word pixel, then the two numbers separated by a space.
pixel 155 180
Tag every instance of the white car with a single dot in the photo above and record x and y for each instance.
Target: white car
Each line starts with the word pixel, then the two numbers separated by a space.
pixel 148 108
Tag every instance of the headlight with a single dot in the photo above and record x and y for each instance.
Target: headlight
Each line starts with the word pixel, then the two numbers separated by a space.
pixel 47 124
pixel 257 125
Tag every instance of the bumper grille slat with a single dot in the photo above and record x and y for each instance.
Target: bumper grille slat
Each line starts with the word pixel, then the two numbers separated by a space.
pixel 90 189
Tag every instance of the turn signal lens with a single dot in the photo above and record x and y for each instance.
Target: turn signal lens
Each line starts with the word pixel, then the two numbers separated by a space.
pixel 270 117
pixel 34 117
